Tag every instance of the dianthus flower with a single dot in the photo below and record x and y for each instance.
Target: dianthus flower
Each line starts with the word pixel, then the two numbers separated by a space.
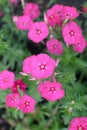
pixel 84 9
pixel 38 32
pixel 54 15
pixel 13 1
pixel 12 100
pixel 6 79
pixel 1 14
pixel 71 32
pixel 69 13
pixel 78 123
pixel 80 45
pixel 54 46
pixel 32 10
pixel 24 22
pixel 42 66
pixel 26 104
pixel 51 91
pixel 18 84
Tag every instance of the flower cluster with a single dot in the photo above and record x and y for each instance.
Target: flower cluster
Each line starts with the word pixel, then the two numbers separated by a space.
pixel 24 103
pixel 58 20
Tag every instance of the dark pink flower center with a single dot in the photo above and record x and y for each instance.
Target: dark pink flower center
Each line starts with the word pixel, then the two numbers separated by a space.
pixel 71 33
pixel 51 17
pixel 77 45
pixel 80 128
pixel 6 79
pixel 55 46
pixel 38 31
pixel 52 89
pixel 24 23
pixel 42 66
pixel 31 10
pixel 27 103
pixel 68 14
pixel 13 98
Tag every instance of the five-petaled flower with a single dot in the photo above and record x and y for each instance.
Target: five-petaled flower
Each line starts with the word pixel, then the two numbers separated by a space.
pixel 38 32
pixel 26 104
pixel 12 100
pixel 6 79
pixel 39 66
pixel 78 123
pixel 51 91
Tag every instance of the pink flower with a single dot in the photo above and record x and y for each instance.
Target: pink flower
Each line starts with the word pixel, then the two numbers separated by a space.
pixel 78 123
pixel 54 46
pixel 26 64
pixel 54 15
pixel 84 9
pixel 38 32
pixel 23 22
pixel 1 14
pixel 80 45
pixel 69 13
pixel 27 104
pixel 32 10
pixel 71 32
pixel 42 66
pixel 51 91
pixel 13 1
pixel 58 9
pixel 18 84
pixel 6 79
pixel 12 100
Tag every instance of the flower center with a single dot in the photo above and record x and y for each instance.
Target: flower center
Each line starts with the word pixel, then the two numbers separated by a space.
pixel 27 103
pixel 51 17
pixel 71 33
pixel 38 31
pixel 6 80
pixel 55 46
pixel 31 10
pixel 68 14
pixel 80 128
pixel 42 67
pixel 52 89
pixel 24 23
pixel 77 45
pixel 13 98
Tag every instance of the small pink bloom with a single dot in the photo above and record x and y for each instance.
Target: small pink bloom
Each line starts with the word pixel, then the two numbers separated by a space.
pixel 23 22
pixel 51 91
pixel 12 100
pixel 38 32
pixel 1 14
pixel 69 13
pixel 26 64
pixel 27 104
pixel 32 10
pixel 84 9
pixel 42 66
pixel 18 84
pixel 71 32
pixel 13 1
pixel 58 9
pixel 80 45
pixel 54 46
pixel 54 15
pixel 6 79
pixel 78 123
